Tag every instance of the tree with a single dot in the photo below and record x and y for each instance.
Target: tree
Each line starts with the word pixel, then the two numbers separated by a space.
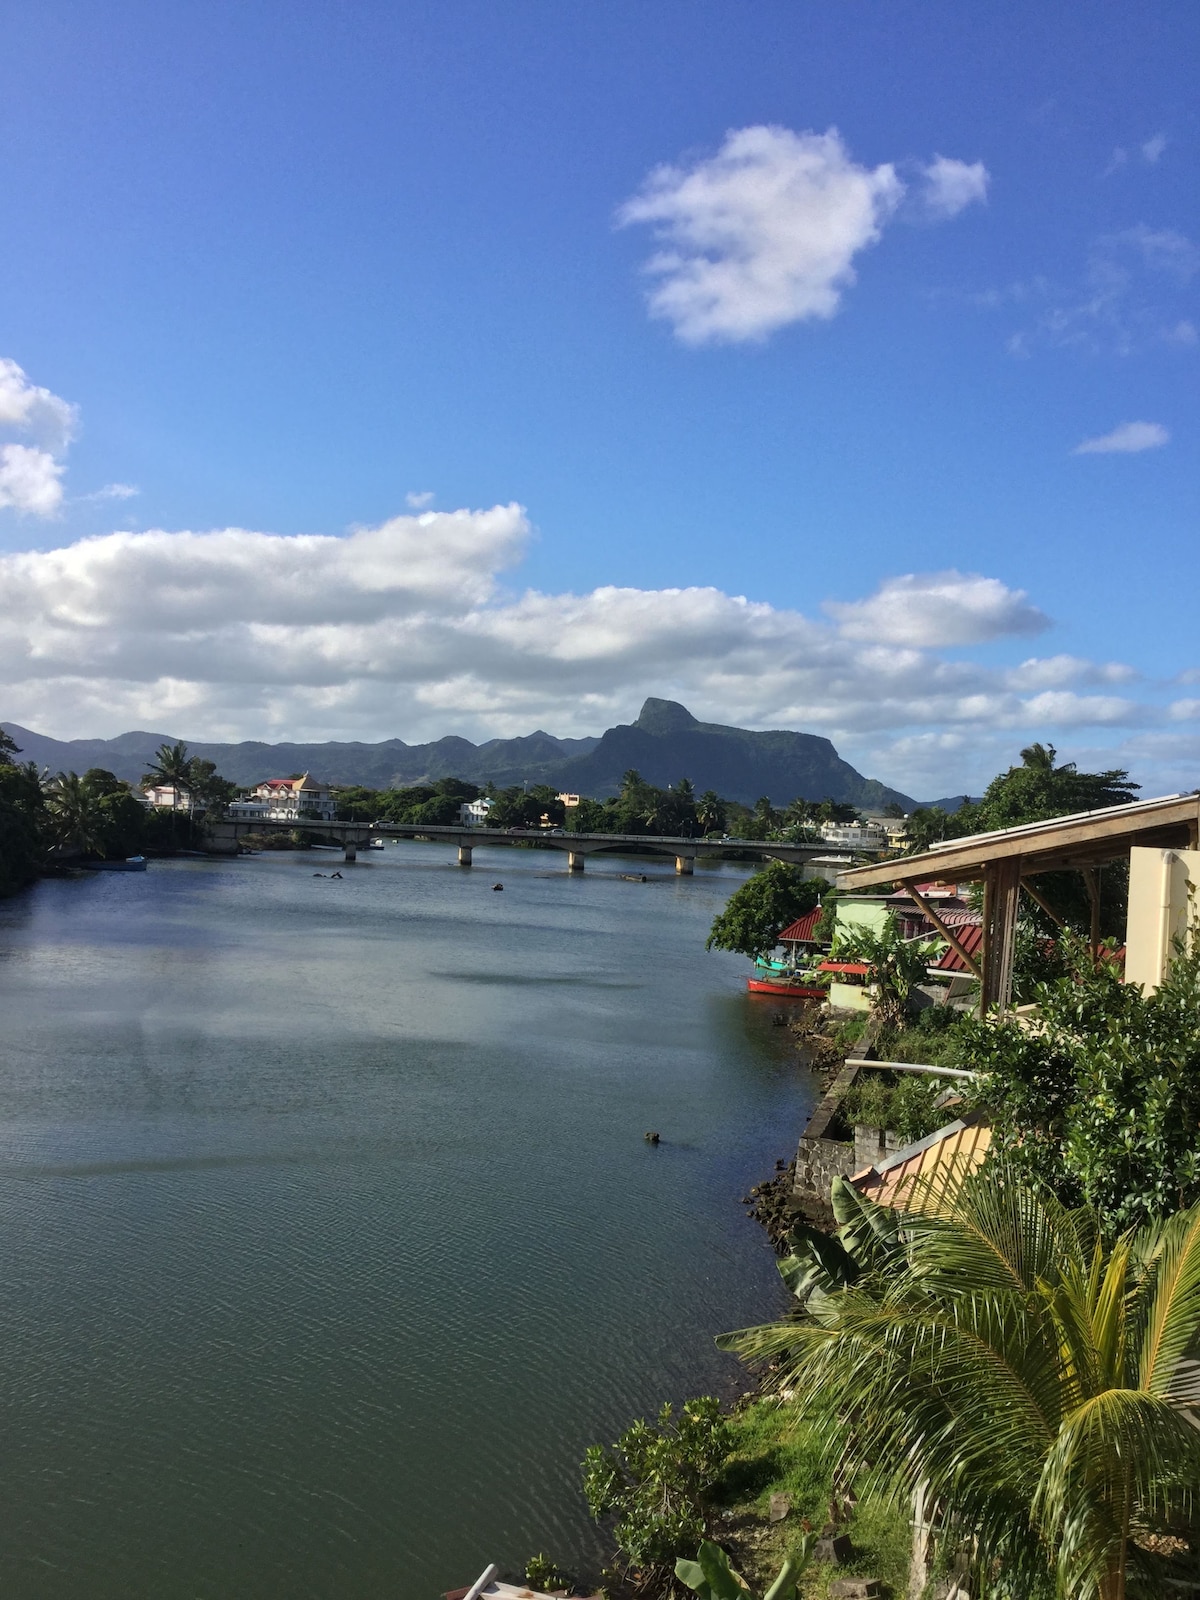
pixel 172 768
pixel 205 784
pixel 1027 1377
pixel 75 815
pixel 1102 1100
pixel 710 812
pixel 22 809
pixel 1038 790
pixel 757 913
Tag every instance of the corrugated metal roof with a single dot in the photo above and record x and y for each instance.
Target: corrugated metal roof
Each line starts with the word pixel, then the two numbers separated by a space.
pixel 970 936
pixel 802 930
pixel 927 1169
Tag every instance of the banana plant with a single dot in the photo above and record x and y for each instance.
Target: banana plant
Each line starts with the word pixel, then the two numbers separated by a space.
pixel 712 1576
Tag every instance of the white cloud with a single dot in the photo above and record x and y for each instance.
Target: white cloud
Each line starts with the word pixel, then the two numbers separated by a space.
pixel 936 609
pixel 762 234
pixel 1153 149
pixel 419 500
pixel 409 629
pixel 30 475
pixel 1128 438
pixel 30 480
pixel 1064 671
pixel 34 410
pixel 113 491
pixel 951 186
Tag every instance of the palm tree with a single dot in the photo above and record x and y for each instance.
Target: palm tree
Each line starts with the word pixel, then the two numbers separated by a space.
pixel 172 767
pixel 76 817
pixel 1029 1378
pixel 710 812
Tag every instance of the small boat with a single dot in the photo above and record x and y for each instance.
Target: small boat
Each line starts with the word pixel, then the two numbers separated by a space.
pixel 132 864
pixel 772 976
pixel 375 844
pixel 798 987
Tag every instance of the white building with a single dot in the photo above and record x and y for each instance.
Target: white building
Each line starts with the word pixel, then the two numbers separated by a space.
pixel 474 813
pixel 300 799
pixel 855 835
pixel 168 795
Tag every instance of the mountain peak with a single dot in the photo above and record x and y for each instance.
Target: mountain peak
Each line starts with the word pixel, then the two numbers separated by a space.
pixel 665 716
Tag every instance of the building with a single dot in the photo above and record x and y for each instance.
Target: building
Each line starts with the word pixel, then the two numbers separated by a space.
pixel 474 813
pixel 169 795
pixel 569 801
pixel 855 835
pixel 300 799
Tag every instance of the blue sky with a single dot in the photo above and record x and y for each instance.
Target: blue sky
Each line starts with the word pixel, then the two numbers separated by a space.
pixel 279 267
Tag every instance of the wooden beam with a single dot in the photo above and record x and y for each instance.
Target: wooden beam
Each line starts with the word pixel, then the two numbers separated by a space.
pixel 1040 900
pixel 955 945
pixel 1099 837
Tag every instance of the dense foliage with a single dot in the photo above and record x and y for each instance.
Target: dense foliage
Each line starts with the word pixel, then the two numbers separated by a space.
pixel 897 965
pixel 903 1103
pixel 654 1481
pixel 21 819
pixel 435 803
pixel 1101 1099
pixel 997 1355
pixel 1034 792
pixel 776 895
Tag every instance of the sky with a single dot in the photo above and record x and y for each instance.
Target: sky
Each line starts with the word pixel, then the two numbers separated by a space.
pixel 381 370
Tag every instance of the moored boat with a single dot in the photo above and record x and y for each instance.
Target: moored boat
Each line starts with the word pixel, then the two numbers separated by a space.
pixel 799 986
pixel 132 864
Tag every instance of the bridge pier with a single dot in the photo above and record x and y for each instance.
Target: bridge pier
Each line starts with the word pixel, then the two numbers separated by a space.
pixel 464 855
pixel 684 865
pixel 351 851
pixel 575 860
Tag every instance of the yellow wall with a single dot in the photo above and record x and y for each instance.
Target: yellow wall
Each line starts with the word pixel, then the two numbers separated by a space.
pixel 1164 896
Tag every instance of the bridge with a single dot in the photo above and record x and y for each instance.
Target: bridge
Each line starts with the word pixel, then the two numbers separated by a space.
pixel 224 838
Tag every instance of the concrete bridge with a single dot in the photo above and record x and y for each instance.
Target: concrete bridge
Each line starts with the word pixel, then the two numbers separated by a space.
pixel 224 836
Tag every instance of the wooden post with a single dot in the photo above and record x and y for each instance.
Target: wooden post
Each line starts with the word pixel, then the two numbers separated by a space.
pixel 1002 888
pixel 1092 885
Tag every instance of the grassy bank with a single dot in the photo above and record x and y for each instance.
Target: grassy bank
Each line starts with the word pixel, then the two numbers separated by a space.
pixel 776 1452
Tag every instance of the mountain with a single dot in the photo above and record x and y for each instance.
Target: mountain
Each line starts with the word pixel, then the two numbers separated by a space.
pixel 666 743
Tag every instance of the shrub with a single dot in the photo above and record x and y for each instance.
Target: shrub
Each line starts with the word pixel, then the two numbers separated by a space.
pixel 655 1481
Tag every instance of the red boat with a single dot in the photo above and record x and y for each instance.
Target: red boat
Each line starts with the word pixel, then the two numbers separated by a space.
pixel 790 991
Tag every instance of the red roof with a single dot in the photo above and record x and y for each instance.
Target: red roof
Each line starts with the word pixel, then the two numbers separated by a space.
pixel 859 968
pixel 970 936
pixel 803 930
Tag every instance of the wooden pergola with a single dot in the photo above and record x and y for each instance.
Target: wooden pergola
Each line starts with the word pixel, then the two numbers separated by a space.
pixel 1005 861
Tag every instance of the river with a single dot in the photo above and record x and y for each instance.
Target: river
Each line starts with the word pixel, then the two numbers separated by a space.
pixel 329 1236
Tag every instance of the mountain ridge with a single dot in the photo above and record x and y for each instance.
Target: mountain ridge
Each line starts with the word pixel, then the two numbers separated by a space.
pixel 665 743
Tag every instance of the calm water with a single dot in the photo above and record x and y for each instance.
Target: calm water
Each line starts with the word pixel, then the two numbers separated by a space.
pixel 329 1238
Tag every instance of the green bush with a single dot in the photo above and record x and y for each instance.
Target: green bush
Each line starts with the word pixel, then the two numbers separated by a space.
pixel 901 1103
pixel 1101 1101
pixel 655 1482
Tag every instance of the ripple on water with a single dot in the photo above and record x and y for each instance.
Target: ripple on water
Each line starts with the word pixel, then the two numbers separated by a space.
pixel 328 1235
